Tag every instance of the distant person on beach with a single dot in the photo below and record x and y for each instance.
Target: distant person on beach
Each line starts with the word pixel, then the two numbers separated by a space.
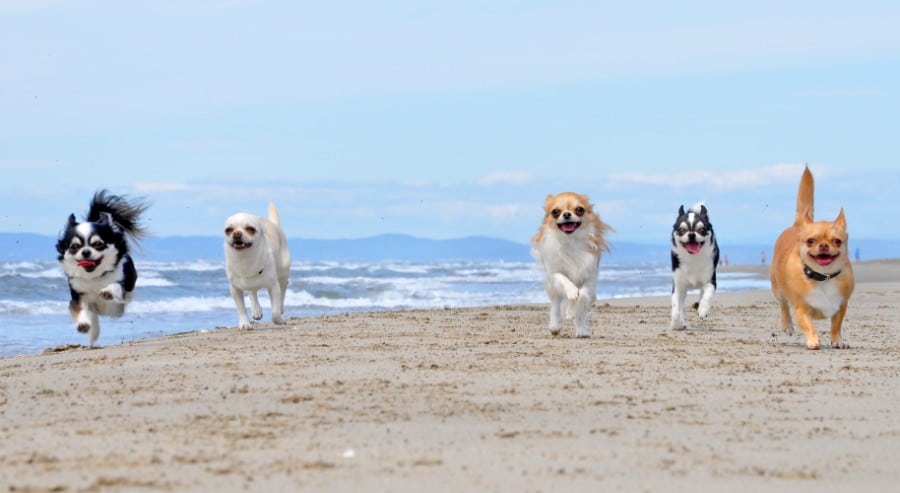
pixel 762 257
pixel 856 254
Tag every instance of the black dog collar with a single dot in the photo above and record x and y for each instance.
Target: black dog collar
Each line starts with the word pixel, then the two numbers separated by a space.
pixel 818 276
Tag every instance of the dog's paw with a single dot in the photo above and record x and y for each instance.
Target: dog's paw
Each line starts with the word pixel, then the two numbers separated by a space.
pixel 840 344
pixel 813 345
pixel 572 293
pixel 554 331
pixel 83 327
pixel 257 315
pixel 243 324
pixel 277 319
pixel 583 334
pixel 113 292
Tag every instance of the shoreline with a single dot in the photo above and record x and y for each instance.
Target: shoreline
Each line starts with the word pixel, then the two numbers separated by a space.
pixel 469 399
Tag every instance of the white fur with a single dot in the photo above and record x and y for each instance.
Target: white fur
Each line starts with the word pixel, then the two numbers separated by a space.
pixel 695 271
pixel 101 291
pixel 826 298
pixel 571 270
pixel 265 264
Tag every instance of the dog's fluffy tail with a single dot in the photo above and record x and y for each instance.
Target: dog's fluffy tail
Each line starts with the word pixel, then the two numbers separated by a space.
pixel 124 211
pixel 805 198
pixel 273 213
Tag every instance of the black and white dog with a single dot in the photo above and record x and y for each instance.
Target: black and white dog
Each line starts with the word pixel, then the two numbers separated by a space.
pixel 695 255
pixel 94 256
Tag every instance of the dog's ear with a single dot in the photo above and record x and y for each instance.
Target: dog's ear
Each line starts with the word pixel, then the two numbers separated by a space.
pixel 548 203
pixel 681 210
pixel 703 210
pixel 841 220
pixel 72 222
pixel 107 219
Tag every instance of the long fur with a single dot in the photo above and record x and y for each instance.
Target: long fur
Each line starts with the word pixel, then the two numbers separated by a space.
pixel 570 260
pixel 94 255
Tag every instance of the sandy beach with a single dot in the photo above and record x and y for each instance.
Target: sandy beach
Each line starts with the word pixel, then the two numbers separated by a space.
pixel 480 399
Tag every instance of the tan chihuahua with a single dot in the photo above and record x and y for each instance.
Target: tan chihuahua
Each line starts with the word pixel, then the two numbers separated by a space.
pixel 811 270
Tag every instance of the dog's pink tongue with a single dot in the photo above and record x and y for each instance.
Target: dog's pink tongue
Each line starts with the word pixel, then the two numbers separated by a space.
pixel 569 227
pixel 693 247
pixel 824 260
pixel 86 263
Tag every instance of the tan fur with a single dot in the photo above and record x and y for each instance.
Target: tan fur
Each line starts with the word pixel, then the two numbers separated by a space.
pixel 569 201
pixel 802 299
pixel 570 258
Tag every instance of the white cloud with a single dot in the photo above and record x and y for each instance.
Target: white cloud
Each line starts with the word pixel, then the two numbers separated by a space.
pixel 728 180
pixel 515 178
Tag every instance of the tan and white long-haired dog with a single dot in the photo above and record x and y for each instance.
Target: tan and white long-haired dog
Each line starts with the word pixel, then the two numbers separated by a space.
pixel 568 246
pixel 811 271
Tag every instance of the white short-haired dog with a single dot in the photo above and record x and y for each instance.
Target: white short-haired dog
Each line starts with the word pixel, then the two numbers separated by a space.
pixel 257 257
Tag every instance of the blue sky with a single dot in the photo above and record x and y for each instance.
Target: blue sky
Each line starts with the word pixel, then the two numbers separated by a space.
pixel 450 119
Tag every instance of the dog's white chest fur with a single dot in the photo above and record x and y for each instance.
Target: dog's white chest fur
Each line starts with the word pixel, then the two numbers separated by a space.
pixel 826 298
pixel 569 258
pixel 694 270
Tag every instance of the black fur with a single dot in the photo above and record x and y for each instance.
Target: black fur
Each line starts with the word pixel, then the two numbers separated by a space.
pixel 84 249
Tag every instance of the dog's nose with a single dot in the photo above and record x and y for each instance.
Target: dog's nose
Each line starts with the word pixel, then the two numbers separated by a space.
pixel 567 215
pixel 823 247
pixel 237 234
pixel 86 253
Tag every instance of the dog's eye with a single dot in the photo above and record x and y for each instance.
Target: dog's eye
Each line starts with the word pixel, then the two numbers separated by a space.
pixel 810 241
pixel 579 211
pixel 555 213
pixel 837 242
pixel 74 247
pixel 229 230
pixel 98 245
pixel 701 231
pixel 251 230
pixel 681 231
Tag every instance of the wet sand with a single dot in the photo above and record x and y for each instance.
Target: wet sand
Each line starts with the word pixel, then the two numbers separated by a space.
pixel 479 399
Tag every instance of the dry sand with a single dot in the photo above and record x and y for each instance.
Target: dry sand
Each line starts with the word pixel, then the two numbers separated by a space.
pixel 471 400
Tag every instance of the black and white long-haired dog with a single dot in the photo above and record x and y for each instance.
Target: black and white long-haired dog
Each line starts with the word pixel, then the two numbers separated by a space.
pixel 695 255
pixel 94 256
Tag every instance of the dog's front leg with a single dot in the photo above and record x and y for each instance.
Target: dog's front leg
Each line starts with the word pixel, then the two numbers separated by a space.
pixel 238 296
pixel 678 316
pixel 836 321
pixel 113 292
pixel 87 321
pixel 277 299
pixel 706 295
pixel 582 306
pixel 802 319
pixel 254 305
pixel 556 301
pixel 562 285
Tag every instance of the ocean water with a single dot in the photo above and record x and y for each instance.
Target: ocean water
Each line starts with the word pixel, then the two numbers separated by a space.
pixel 173 297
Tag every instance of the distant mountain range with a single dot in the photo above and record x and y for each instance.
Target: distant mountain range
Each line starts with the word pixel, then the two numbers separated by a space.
pixel 32 247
